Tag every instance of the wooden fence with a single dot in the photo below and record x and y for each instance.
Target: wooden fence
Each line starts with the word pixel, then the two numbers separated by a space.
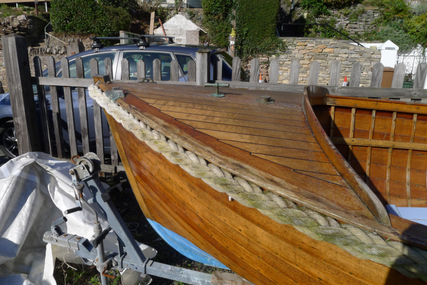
pixel 48 136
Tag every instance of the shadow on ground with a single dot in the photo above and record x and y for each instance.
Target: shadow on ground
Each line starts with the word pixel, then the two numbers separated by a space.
pixel 3 159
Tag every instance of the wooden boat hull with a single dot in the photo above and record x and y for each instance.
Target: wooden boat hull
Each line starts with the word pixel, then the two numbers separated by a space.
pixel 251 239
pixel 385 143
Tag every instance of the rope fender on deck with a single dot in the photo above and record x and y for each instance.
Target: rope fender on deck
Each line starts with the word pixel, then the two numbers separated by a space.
pixel 408 260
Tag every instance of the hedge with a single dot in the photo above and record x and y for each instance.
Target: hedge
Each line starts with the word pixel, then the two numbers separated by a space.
pixel 88 17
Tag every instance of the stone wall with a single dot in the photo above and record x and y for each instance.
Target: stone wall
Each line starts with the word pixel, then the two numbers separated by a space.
pixel 355 20
pixel 307 50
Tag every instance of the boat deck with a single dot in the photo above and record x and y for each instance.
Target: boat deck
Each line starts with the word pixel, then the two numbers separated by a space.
pixel 250 136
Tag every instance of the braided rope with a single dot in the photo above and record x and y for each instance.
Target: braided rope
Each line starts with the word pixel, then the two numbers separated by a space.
pixel 410 261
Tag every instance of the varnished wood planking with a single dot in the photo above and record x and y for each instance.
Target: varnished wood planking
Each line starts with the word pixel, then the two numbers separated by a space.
pixel 267 141
pixel 301 164
pixel 301 134
pixel 299 153
pixel 332 178
pixel 284 113
pixel 365 270
pixel 197 119
pixel 250 118
pixel 115 128
pixel 226 112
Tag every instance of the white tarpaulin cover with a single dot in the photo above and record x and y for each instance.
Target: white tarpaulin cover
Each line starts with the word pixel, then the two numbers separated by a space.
pixel 34 191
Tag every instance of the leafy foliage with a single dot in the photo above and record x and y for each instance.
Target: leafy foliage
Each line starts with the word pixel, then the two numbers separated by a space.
pixel 125 4
pixel 88 17
pixel 392 9
pixel 340 3
pixel 217 19
pixel 404 25
pixel 316 7
pixel 256 26
pixel 417 28
pixel 394 31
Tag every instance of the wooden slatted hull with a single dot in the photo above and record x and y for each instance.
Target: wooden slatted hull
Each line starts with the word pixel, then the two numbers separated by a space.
pixel 386 147
pixel 272 146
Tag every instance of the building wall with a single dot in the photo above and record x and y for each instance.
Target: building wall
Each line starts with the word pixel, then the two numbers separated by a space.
pixel 307 50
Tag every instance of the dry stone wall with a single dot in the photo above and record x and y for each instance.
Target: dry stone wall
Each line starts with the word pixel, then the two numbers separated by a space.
pixel 324 51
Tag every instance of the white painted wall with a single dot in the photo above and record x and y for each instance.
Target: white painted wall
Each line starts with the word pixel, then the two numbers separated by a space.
pixel 177 27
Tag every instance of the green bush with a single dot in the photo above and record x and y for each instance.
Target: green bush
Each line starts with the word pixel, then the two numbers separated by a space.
pixel 88 17
pixel 316 7
pixel 417 29
pixel 394 31
pixel 256 28
pixel 217 19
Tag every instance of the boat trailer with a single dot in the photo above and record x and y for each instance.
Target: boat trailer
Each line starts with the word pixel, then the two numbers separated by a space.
pixel 129 257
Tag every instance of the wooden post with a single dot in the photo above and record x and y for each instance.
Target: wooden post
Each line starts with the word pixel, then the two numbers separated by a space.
pixel 84 122
pixel 46 131
pixel 152 23
pixel 56 111
pixel 274 71
pixel 254 71
pixel 334 73
pixel 237 63
pixel 398 76
pixel 356 72
pixel 219 64
pixel 140 70
pixel 113 147
pixel 377 75
pixel 294 72
pixel 191 71
pixel 68 96
pixel 420 76
pixel 313 76
pixel 21 93
pixel 97 114
pixel 202 66
pixel 157 70
pixel 174 71
pixel 125 69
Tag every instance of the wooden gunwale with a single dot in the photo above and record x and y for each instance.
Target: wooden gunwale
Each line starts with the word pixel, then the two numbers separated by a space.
pixel 312 261
pixel 235 160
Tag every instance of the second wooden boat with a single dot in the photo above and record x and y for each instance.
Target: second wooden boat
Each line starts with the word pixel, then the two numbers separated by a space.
pixel 384 141
pixel 256 183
